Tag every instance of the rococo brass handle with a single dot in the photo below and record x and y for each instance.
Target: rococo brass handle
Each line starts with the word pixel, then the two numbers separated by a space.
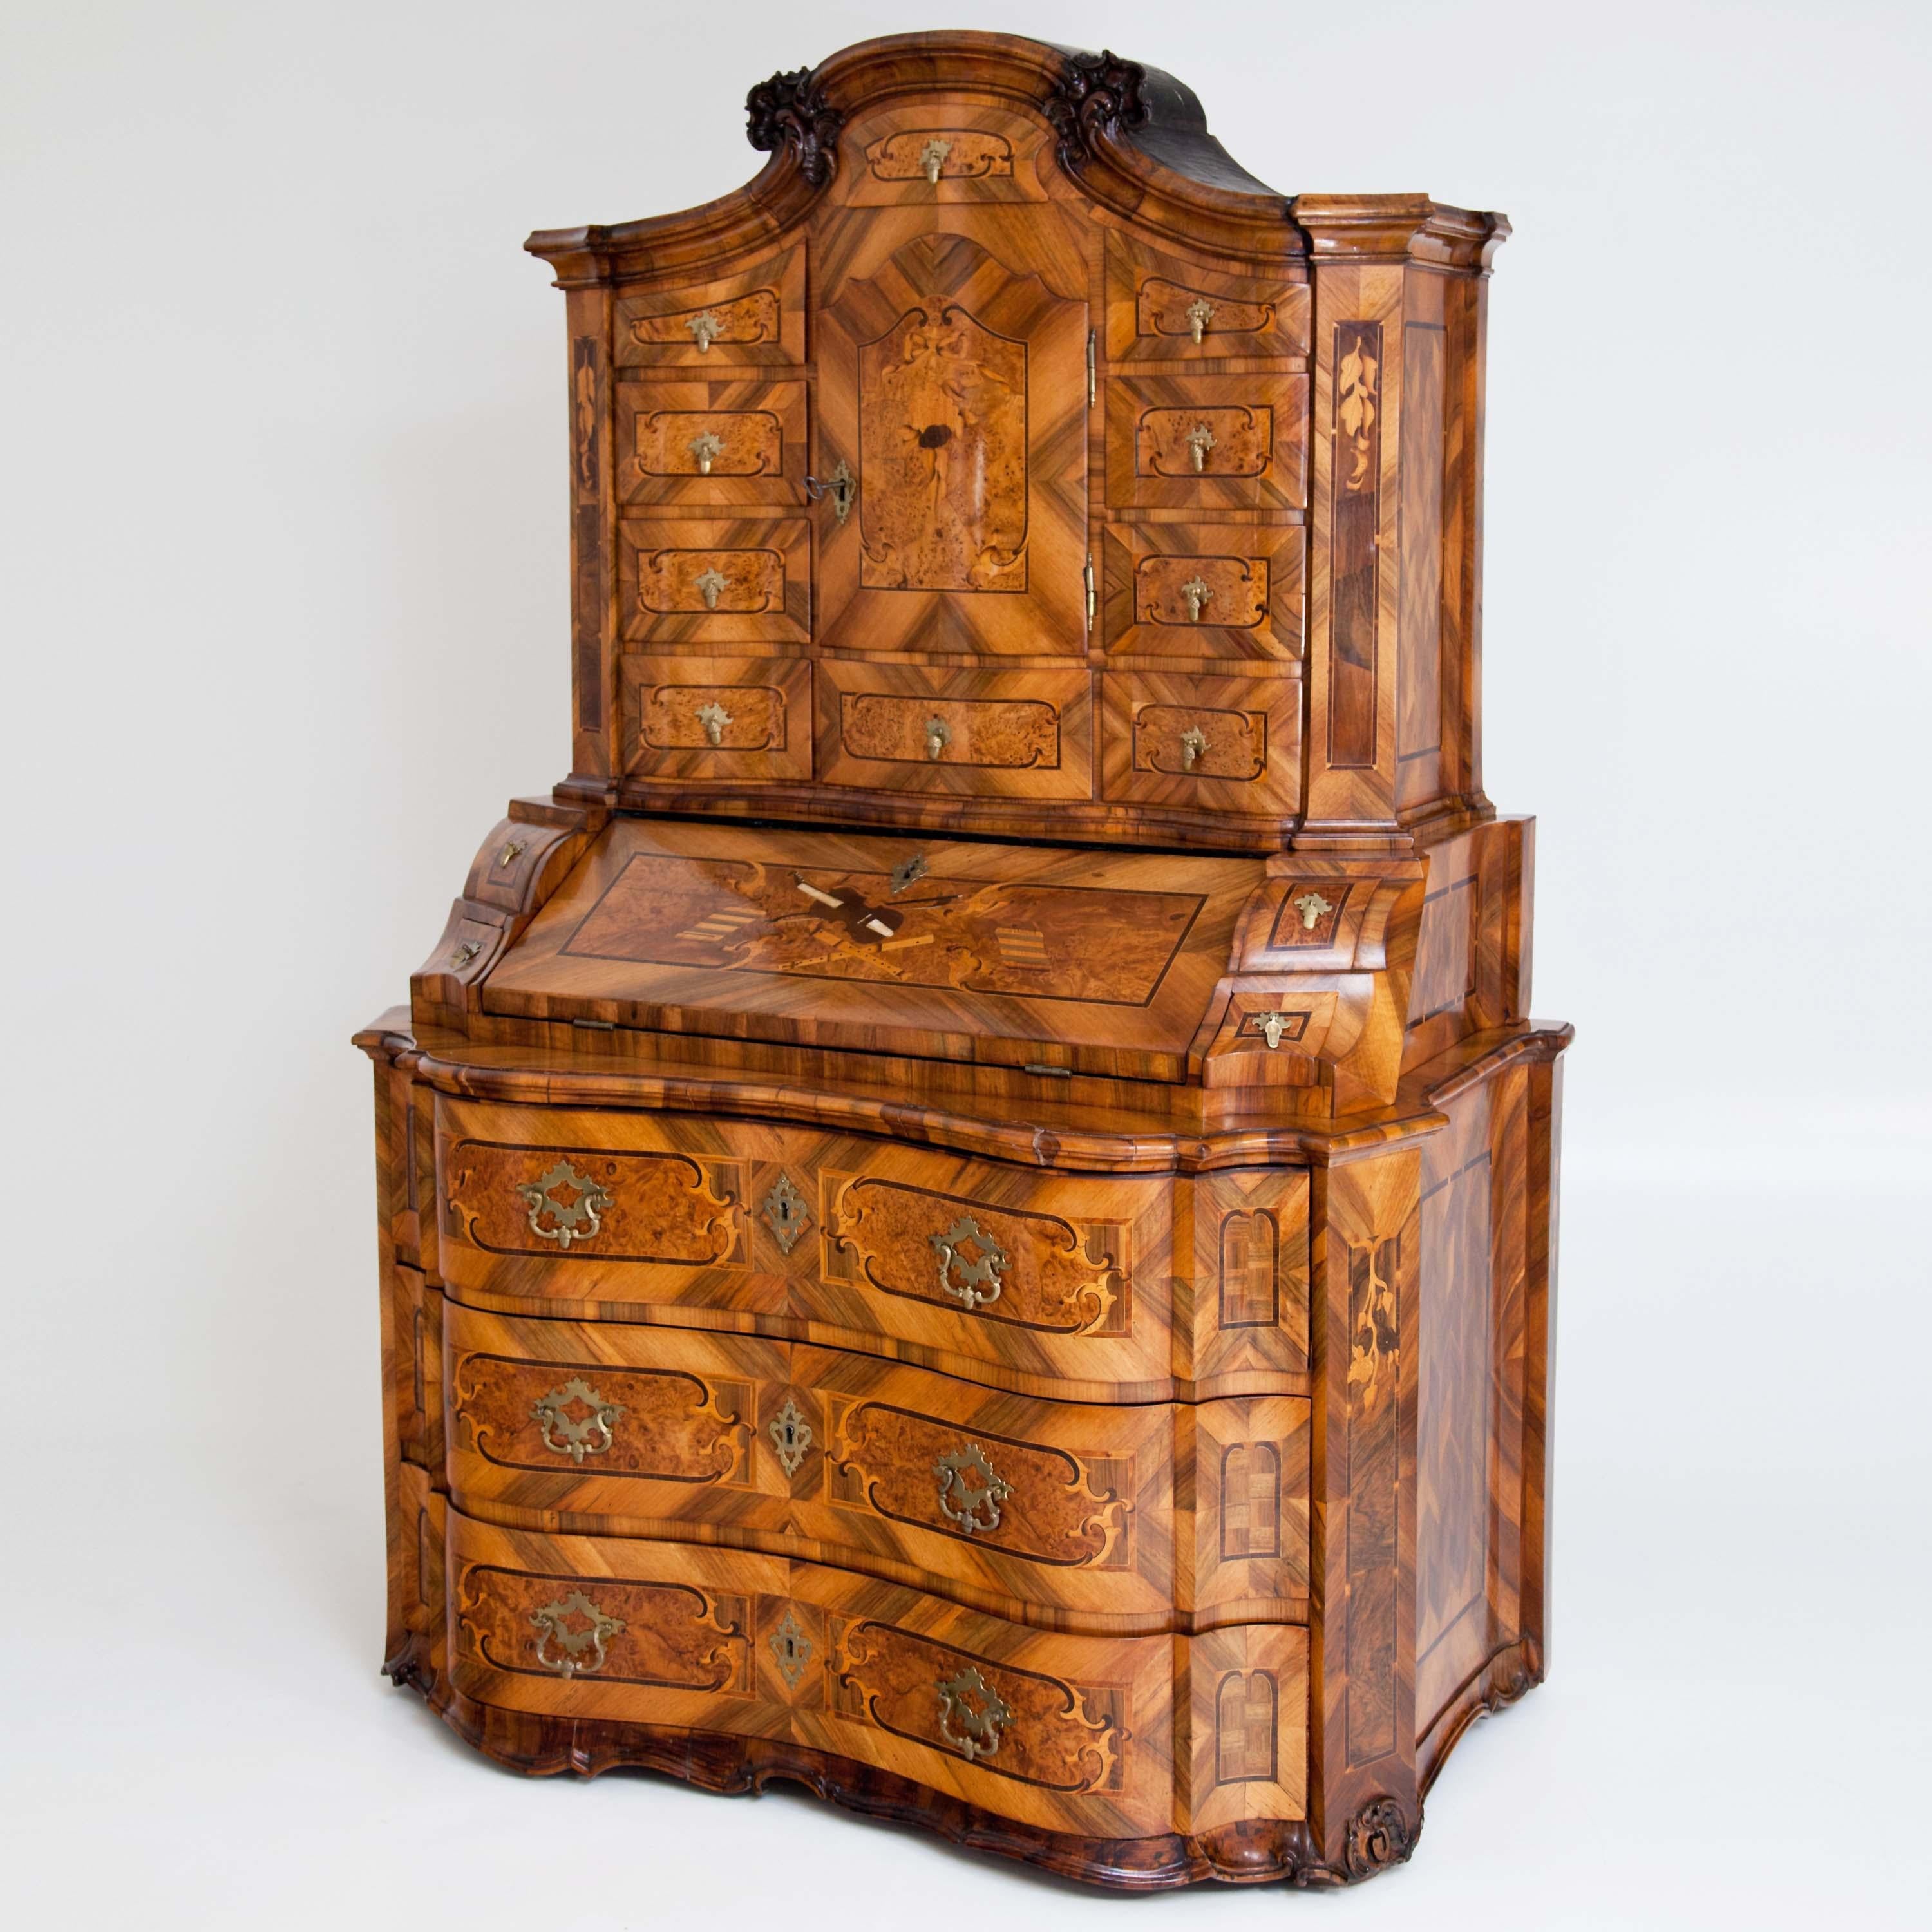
pixel 1197 592
pixel 706 329
pixel 968 1281
pixel 1312 906
pixel 980 1712
pixel 577 1216
pixel 971 1489
pixel 932 157
pixel 707 448
pixel 576 1624
pixel 938 736
pixel 1193 747
pixel 587 1434
pixel 1200 440
pixel 714 718
pixel 711 585
pixel 1200 314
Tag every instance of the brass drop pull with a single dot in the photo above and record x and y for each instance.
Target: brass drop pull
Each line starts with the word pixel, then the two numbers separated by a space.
pixel 1197 593
pixel 841 486
pixel 932 157
pixel 711 585
pixel 971 1489
pixel 580 1628
pixel 708 448
pixel 1312 906
pixel 1273 1026
pixel 938 736
pixel 464 953
pixel 1193 747
pixel 971 1279
pixel 706 328
pixel 510 854
pixel 1200 441
pixel 979 1711
pixel 1200 314
pixel 575 1420
pixel 714 718
pixel 571 1202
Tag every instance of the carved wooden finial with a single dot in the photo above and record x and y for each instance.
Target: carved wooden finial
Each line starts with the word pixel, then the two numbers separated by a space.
pixel 1096 97
pixel 788 110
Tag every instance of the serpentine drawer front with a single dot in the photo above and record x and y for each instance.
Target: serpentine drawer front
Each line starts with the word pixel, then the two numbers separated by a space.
pixel 1059 1283
pixel 1029 1507
pixel 1102 1736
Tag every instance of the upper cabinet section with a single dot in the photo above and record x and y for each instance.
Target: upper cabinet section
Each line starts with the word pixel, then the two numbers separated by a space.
pixel 1001 397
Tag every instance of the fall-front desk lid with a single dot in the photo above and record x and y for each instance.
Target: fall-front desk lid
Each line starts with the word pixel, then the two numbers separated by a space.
pixel 1089 959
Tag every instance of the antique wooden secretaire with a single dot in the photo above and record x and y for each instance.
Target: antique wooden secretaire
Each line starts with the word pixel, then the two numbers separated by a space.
pixel 968 1207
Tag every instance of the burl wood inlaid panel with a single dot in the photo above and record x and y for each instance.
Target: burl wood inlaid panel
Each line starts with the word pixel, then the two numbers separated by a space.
pixel 900 727
pixel 1163 308
pixel 1204 443
pixel 1227 744
pixel 732 720
pixel 756 316
pixel 699 442
pixel 1044 1282
pixel 954 387
pixel 1102 961
pixel 711 585
pixel 1075 1733
pixel 1054 1513
pixel 1202 590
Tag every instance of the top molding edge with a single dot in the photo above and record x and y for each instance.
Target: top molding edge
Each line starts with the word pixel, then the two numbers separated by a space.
pixel 1135 138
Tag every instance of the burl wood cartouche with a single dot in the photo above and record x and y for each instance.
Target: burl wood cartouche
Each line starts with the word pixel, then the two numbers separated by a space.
pixel 968 1207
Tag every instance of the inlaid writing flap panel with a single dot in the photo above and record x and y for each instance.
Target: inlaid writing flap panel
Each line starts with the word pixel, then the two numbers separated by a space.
pixel 1101 959
pixel 756 316
pixel 1162 308
pixel 726 720
pixel 718 441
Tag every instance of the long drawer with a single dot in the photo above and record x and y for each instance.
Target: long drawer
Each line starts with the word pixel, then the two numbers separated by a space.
pixel 1101 1736
pixel 1065 1509
pixel 1091 1287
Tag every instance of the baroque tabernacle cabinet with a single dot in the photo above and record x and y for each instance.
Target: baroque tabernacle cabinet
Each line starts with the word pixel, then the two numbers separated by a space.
pixel 968 1207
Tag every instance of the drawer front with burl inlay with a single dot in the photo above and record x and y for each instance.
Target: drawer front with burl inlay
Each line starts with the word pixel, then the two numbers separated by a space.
pixel 755 317
pixel 1030 1507
pixel 1102 1736
pixel 699 442
pixel 730 720
pixel 1046 1282
pixel 1161 309
pixel 1192 443
pixel 1229 744
pixel 713 584
pixel 1016 734
pixel 1202 591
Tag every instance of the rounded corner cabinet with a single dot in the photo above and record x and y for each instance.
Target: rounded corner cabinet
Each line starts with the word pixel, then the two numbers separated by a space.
pixel 968 1207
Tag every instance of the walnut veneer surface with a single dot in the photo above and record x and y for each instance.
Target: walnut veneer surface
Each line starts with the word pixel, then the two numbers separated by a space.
pixel 968 1209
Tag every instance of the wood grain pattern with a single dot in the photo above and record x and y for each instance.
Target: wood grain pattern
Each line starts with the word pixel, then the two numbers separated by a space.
pixel 1151 294
pixel 715 585
pixel 756 316
pixel 1203 443
pixel 717 720
pixel 1233 743
pixel 717 442
pixel 1245 600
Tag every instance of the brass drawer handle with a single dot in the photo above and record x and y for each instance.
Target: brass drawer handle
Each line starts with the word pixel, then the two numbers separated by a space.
pixel 932 157
pixel 464 953
pixel 791 1435
pixel 708 448
pixel 1200 440
pixel 1197 593
pixel 706 329
pixel 971 1489
pixel 578 1625
pixel 976 1276
pixel 586 1434
pixel 578 1218
pixel 981 1713
pixel 711 586
pixel 1312 906
pixel 1273 1026
pixel 938 736
pixel 1193 747
pixel 1200 313
pixel 714 718
pixel 841 486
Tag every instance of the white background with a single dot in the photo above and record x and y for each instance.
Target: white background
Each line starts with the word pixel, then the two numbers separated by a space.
pixel 285 625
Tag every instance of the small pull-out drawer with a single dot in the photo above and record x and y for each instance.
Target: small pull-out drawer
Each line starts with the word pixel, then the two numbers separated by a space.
pixel 1199 442
pixel 701 442
pixel 756 316
pixel 1161 309
pixel 1019 734
pixel 734 721
pixel 1231 744
pixel 713 584
pixel 1202 591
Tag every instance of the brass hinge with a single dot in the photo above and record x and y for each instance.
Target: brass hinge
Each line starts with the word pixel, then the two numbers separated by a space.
pixel 1087 576
pixel 1093 386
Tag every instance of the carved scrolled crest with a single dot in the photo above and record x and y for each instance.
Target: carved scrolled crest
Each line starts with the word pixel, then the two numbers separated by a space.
pixel 790 110
pixel 1379 1835
pixel 1096 97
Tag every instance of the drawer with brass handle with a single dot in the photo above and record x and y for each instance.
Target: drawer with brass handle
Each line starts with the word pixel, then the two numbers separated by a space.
pixel 1232 743
pixel 730 720
pixel 1044 1511
pixel 724 442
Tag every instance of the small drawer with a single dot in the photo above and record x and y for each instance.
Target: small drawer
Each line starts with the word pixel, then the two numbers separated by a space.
pixel 713 583
pixel 1202 590
pixel 1010 734
pixel 723 442
pixel 1052 1283
pixel 1229 744
pixel 1205 442
pixel 1160 309
pixel 755 317
pixel 732 720
pixel 1102 1736
pixel 1026 1506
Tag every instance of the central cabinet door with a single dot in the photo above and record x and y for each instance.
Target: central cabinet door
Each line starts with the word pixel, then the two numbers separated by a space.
pixel 953 386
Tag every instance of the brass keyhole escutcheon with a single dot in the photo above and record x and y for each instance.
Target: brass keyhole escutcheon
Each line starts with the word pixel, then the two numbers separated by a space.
pixel 841 486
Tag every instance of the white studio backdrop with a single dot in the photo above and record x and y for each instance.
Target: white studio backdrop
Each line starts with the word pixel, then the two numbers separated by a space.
pixel 285 620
